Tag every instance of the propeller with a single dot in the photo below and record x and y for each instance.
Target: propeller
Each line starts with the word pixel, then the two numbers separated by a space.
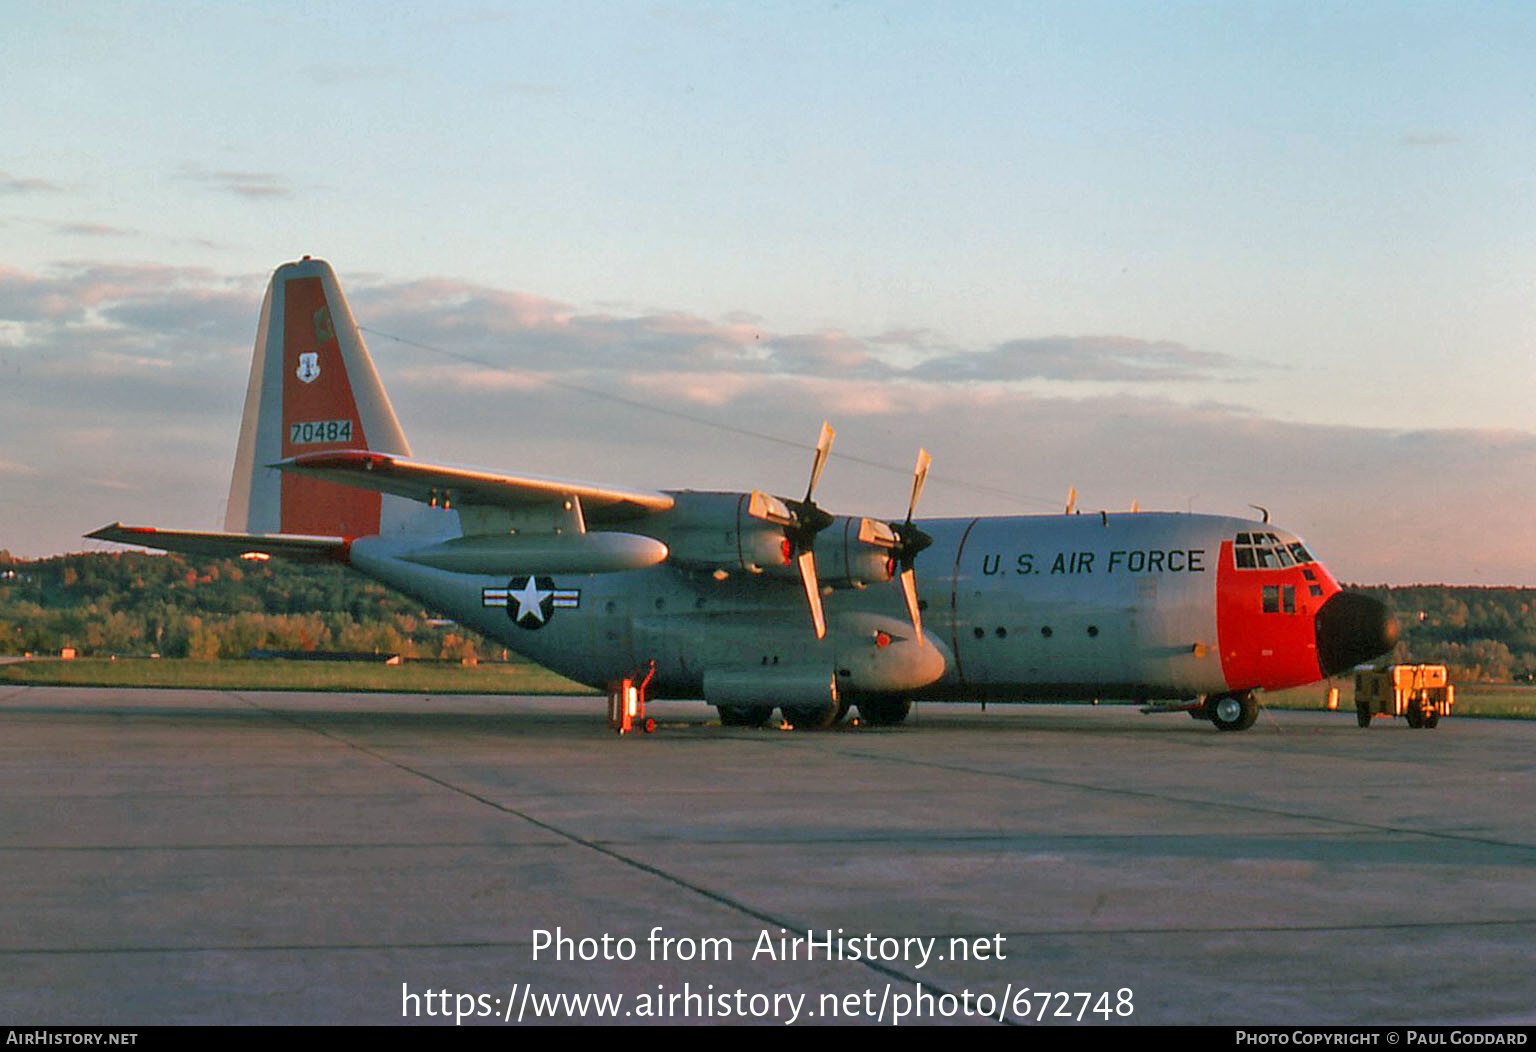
pixel 801 520
pixel 904 541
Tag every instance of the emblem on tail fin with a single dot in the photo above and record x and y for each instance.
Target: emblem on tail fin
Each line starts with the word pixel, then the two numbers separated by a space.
pixel 309 367
pixel 325 329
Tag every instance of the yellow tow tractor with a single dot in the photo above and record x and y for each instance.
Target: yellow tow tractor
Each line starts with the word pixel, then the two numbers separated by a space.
pixel 1421 694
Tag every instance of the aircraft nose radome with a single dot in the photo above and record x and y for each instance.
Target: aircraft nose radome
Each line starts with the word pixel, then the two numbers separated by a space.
pixel 1352 628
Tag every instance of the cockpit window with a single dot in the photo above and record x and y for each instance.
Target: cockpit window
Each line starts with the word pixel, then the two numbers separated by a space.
pixel 1268 551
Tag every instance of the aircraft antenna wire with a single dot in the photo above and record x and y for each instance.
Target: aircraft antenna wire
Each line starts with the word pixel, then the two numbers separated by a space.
pixel 702 421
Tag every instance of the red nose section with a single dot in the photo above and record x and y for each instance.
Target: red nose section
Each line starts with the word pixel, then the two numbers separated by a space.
pixel 1268 611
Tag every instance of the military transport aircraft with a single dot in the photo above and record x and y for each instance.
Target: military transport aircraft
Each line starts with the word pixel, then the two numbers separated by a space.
pixel 751 601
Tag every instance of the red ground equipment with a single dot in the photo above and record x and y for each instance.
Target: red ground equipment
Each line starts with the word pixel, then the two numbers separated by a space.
pixel 626 702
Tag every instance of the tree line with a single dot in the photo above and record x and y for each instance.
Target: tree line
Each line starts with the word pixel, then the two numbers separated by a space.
pixel 1480 634
pixel 136 604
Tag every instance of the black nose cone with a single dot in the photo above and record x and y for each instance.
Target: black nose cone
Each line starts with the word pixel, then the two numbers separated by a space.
pixel 1352 628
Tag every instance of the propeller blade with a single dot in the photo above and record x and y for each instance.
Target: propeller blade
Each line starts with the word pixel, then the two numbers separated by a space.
pixel 909 589
pixel 919 476
pixel 910 541
pixel 823 451
pixel 807 561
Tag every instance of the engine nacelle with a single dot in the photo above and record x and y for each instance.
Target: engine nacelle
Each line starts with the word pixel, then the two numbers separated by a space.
pixel 715 531
pixel 842 560
pixel 712 531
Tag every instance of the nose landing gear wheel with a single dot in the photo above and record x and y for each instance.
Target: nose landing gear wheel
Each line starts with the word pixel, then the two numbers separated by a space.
pixel 1232 712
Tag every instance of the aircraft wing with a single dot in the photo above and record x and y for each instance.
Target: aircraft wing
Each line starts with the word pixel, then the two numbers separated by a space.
pixel 227 545
pixel 451 486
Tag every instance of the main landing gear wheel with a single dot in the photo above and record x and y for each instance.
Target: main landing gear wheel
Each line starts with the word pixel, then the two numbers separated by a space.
pixel 1363 715
pixel 813 717
pixel 744 715
pixel 884 712
pixel 1232 712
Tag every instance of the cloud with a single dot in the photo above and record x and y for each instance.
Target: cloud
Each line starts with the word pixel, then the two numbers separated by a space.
pixel 518 330
pixel 1077 359
pixel 87 338
pixel 92 230
pixel 831 354
pixel 9 468
pixel 80 291
pixel 249 185
pixel 13 184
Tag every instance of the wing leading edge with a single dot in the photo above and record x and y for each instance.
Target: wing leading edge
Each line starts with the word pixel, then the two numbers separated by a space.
pixel 228 545
pixel 441 485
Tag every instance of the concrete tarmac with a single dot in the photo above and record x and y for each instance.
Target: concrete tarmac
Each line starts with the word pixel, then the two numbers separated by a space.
pixel 248 857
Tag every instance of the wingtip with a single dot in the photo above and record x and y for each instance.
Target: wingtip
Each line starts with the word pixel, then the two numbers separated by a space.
pixel 111 531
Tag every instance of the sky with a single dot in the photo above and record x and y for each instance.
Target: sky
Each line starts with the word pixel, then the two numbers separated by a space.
pixel 1196 256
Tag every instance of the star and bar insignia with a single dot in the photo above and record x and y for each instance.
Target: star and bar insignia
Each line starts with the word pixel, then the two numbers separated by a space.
pixel 531 601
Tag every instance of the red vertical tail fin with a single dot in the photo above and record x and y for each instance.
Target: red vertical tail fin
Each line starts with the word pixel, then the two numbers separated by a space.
pixel 313 388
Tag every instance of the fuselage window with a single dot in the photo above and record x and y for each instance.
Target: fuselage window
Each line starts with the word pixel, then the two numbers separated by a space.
pixel 1271 599
pixel 1266 551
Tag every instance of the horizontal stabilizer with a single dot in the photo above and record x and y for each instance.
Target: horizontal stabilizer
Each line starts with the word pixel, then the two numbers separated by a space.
pixel 439 485
pixel 228 545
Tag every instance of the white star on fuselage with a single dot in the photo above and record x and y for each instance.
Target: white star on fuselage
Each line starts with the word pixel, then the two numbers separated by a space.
pixel 530 600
